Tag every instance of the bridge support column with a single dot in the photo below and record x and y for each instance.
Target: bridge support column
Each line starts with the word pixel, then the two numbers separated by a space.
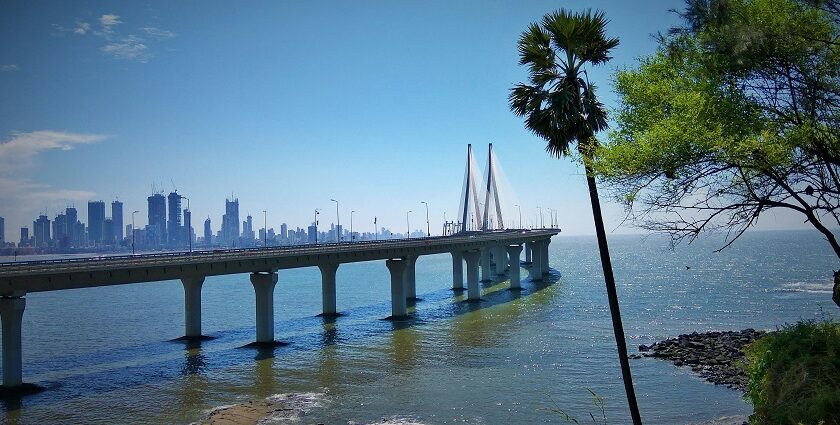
pixel 192 306
pixel 500 256
pixel 410 278
pixel 264 290
pixel 11 314
pixel 536 261
pixel 328 288
pixel 473 290
pixel 486 275
pixel 457 271
pixel 528 246
pixel 513 252
pixel 544 255
pixel 397 268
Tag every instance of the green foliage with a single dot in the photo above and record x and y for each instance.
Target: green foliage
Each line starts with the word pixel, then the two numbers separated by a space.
pixel 795 375
pixel 737 112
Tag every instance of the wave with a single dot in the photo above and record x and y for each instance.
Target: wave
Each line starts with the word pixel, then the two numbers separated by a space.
pixel 809 287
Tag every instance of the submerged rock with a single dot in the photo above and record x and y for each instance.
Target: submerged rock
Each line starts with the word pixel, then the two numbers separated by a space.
pixel 715 356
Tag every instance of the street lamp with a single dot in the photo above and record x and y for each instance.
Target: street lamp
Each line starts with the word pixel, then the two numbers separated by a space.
pixel 407 226
pixel 428 229
pixel 133 231
pixel 352 238
pixel 265 229
pixel 338 222
pixel 520 215
pixel 316 225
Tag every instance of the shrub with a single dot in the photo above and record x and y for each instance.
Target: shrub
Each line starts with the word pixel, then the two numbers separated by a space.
pixel 794 375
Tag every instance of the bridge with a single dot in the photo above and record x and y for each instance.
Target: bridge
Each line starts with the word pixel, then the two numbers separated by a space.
pixel 490 253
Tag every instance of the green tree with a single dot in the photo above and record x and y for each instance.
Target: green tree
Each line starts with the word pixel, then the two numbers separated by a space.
pixel 560 106
pixel 737 113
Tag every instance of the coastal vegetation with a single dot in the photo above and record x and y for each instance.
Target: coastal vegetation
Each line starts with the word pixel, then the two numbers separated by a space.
pixel 737 113
pixel 794 375
pixel 560 106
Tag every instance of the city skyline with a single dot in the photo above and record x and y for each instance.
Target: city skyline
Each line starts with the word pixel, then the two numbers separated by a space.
pixel 106 101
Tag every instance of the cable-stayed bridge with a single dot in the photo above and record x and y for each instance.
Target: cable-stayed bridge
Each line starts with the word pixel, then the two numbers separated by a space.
pixel 487 251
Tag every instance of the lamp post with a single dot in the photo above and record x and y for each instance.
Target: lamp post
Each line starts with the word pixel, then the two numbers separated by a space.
pixel 352 238
pixel 133 231
pixel 316 225
pixel 428 229
pixel 265 229
pixel 338 222
pixel 407 225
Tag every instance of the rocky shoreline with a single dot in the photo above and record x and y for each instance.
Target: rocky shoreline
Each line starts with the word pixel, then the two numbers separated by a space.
pixel 715 356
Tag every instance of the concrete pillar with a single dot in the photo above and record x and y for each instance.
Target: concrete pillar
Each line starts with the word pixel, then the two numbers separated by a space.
pixel 473 290
pixel 536 261
pixel 410 277
pixel 544 255
pixel 11 314
pixel 528 257
pixel 500 256
pixel 513 252
pixel 328 287
pixel 486 274
pixel 457 271
pixel 397 268
pixel 192 306
pixel 264 290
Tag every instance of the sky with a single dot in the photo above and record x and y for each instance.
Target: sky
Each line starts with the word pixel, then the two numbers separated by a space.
pixel 286 105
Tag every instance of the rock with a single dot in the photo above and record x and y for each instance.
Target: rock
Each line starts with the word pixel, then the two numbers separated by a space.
pixel 643 347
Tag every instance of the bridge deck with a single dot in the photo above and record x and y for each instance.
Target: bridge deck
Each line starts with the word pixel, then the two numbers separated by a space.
pixel 49 275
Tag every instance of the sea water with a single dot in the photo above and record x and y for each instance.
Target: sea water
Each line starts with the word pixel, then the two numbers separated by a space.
pixel 107 355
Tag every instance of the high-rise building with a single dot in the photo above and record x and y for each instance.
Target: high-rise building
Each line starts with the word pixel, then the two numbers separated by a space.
pixel 117 216
pixel 313 233
pixel 96 221
pixel 41 228
pixel 208 233
pixel 74 235
pixel 2 232
pixel 156 230
pixel 187 228
pixel 173 225
pixel 231 221
pixel 284 229
pixel 24 236
pixel 109 234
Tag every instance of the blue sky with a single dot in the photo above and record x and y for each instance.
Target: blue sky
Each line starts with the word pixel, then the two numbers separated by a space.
pixel 284 104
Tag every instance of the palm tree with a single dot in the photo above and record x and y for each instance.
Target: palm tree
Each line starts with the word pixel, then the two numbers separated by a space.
pixel 559 105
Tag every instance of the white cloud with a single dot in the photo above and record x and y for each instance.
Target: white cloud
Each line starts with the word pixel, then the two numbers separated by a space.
pixel 22 147
pixel 158 33
pixel 12 67
pixel 107 21
pixel 82 28
pixel 128 48
pixel 22 197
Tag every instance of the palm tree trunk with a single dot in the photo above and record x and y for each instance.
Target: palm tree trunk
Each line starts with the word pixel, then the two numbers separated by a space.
pixel 609 279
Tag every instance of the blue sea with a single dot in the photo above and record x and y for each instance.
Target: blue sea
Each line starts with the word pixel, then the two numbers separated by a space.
pixel 107 355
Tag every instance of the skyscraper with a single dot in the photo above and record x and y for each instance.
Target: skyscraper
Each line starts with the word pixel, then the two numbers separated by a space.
pixel 156 234
pixel 284 229
pixel 187 228
pixel 2 232
pixel 117 216
pixel 231 221
pixel 24 236
pixel 41 228
pixel 74 236
pixel 208 233
pixel 96 221
pixel 108 232
pixel 173 228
